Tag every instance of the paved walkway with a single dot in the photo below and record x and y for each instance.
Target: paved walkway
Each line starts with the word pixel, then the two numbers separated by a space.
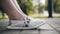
pixel 52 26
pixel 54 23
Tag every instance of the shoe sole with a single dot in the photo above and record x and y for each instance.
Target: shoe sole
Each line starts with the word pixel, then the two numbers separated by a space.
pixel 37 25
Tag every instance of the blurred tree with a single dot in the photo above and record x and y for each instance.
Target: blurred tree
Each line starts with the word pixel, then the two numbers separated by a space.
pixel 46 5
pixel 22 5
pixel 50 8
pixel 3 15
pixel 26 5
pixel 40 7
pixel 56 6
pixel 29 6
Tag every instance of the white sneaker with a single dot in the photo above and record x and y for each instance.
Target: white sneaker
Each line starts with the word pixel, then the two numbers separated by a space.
pixel 16 23
pixel 28 24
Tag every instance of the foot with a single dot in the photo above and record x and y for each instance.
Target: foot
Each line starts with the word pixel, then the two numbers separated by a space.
pixel 27 24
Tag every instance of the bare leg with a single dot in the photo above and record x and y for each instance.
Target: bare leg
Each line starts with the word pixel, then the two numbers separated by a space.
pixel 9 8
pixel 20 11
pixel 17 6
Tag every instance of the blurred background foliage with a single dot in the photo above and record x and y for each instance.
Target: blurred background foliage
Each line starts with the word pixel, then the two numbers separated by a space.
pixel 26 6
pixel 38 8
pixel 56 6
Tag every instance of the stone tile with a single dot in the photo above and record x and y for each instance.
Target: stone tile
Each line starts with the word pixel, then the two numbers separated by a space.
pixel 45 29
pixel 10 32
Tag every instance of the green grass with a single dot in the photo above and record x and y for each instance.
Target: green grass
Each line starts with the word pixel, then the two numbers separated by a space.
pixel 36 16
pixel 43 16
pixel 4 16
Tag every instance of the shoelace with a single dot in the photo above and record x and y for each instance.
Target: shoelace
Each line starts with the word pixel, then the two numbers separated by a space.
pixel 27 22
